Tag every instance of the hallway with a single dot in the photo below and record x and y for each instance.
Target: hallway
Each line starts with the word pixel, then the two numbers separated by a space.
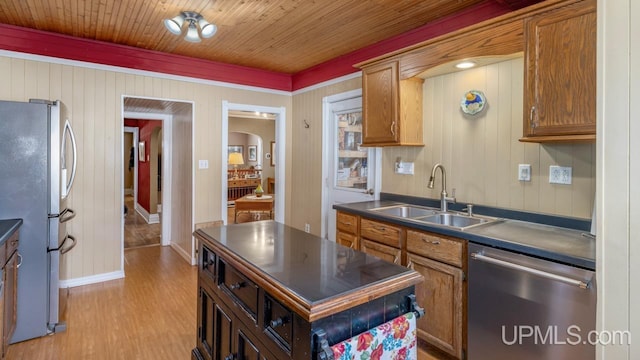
pixel 137 232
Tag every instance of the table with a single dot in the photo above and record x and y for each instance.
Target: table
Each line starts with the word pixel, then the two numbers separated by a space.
pixel 252 203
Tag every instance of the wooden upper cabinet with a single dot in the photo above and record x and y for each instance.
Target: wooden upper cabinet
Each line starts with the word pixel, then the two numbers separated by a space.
pixel 392 107
pixel 560 74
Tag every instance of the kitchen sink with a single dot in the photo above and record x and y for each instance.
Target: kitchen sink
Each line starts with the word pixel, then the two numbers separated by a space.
pixel 457 220
pixel 405 211
pixel 432 216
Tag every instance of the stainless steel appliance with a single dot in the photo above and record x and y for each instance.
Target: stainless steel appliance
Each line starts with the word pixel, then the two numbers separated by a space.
pixel 521 307
pixel 38 166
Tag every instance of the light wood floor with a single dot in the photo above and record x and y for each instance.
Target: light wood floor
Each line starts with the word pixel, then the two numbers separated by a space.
pixel 150 314
pixel 136 230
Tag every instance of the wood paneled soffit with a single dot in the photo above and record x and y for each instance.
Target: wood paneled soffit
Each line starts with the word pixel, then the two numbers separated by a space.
pixel 500 36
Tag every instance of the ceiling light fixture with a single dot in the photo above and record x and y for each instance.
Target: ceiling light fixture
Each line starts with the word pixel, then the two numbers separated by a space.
pixel 194 21
pixel 465 65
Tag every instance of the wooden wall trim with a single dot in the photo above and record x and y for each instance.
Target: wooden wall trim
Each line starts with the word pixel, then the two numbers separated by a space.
pixel 44 43
pixel 19 39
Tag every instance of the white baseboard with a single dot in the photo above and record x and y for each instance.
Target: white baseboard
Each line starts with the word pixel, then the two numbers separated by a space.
pixel 182 253
pixel 149 218
pixel 93 279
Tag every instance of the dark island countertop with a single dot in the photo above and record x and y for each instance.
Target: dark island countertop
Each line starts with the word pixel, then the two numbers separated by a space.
pixel 565 245
pixel 7 228
pixel 313 276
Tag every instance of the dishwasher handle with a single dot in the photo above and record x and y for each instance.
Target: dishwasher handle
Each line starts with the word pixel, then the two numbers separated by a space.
pixel 579 283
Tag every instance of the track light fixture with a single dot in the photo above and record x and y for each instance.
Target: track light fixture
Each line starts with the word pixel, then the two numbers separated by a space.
pixel 194 22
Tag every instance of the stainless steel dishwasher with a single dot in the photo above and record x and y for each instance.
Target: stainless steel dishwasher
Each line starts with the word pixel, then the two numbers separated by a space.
pixel 521 307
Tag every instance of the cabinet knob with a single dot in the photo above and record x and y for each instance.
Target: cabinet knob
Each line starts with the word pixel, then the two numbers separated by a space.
pixel 278 322
pixel 236 286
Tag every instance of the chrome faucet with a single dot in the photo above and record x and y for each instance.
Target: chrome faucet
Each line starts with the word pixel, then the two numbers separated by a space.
pixel 444 198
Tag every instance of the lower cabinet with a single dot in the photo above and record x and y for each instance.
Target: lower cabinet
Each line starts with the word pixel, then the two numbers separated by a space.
pixel 9 259
pixel 222 336
pixel 441 295
pixel 442 261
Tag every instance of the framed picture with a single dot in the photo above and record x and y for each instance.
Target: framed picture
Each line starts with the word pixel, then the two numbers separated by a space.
pixel 235 149
pixel 142 155
pixel 252 152
pixel 273 153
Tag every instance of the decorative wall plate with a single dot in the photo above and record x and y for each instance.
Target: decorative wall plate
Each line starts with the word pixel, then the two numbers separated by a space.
pixel 473 102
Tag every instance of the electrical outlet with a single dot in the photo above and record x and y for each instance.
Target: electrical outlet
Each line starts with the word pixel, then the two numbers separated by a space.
pixel 405 168
pixel 524 172
pixel 203 164
pixel 559 175
pixel 307 228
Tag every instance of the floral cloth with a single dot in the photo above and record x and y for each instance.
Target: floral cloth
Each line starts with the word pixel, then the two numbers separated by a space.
pixel 393 340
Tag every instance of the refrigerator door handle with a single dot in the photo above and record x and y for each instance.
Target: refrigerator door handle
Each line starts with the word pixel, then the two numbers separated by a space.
pixel 68 211
pixel 69 129
pixel 68 248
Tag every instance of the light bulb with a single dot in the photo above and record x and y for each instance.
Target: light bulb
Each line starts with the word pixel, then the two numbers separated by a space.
pixel 192 33
pixel 174 25
pixel 207 30
pixel 465 65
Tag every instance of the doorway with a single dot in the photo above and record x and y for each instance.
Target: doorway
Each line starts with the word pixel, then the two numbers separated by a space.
pixel 142 182
pixel 274 159
pixel 171 149
pixel 351 172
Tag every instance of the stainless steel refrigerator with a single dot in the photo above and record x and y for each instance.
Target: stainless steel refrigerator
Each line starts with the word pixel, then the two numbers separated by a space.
pixel 37 169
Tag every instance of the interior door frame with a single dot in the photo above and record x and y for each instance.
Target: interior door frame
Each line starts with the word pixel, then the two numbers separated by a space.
pixel 166 178
pixel 280 120
pixel 136 134
pixel 327 130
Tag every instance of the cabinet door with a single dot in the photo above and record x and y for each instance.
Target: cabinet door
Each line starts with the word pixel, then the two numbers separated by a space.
pixel 380 104
pixel 348 240
pixel 10 299
pixel 384 252
pixel 560 73
pixel 215 331
pixel 441 296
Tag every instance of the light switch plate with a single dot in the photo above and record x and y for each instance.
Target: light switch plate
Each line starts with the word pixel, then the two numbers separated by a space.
pixel 203 164
pixel 559 175
pixel 405 168
pixel 524 172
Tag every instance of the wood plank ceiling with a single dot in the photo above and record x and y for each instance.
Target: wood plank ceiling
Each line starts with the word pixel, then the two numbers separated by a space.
pixel 285 36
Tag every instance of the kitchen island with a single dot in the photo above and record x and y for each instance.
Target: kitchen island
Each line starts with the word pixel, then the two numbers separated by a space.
pixel 268 290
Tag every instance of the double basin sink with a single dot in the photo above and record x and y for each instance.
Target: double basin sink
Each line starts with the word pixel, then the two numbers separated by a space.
pixel 431 216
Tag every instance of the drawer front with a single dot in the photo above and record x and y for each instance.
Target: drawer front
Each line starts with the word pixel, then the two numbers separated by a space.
pixel 447 250
pixel 278 323
pixel 380 232
pixel 347 222
pixel 208 262
pixel 348 240
pixel 384 252
pixel 241 289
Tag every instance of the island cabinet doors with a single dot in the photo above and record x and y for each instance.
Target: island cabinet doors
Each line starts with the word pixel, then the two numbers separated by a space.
pixel 221 336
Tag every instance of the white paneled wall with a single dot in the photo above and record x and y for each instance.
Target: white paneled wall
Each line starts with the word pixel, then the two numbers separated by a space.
pixel 93 95
pixel 481 153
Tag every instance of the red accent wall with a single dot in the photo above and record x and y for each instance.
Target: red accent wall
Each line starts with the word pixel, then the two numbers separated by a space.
pixel 146 128
pixel 25 40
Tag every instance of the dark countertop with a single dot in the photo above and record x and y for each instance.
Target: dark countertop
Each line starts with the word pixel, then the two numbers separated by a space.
pixel 314 273
pixel 564 245
pixel 7 228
